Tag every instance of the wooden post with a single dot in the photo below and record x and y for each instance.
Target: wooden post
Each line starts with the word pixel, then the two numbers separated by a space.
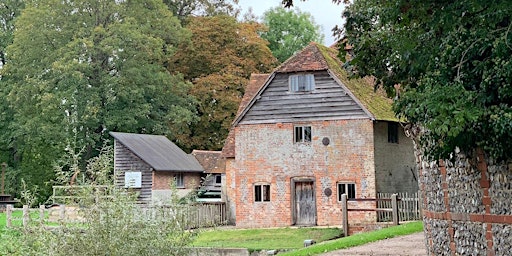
pixel 41 214
pixel 25 216
pixel 344 214
pixel 394 205
pixel 8 213
pixel 62 213
pixel 2 191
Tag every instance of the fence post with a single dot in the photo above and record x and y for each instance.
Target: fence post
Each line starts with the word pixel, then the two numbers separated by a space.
pixel 25 216
pixel 62 213
pixel 8 213
pixel 394 205
pixel 41 214
pixel 344 214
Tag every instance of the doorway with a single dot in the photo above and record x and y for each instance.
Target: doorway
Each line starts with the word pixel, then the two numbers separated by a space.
pixel 304 202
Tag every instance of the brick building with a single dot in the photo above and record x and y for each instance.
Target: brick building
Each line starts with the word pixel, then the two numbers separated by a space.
pixel 304 135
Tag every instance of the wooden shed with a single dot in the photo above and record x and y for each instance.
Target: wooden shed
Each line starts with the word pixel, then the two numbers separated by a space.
pixel 150 164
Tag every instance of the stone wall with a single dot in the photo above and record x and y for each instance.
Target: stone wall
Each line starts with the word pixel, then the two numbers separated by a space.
pixel 467 204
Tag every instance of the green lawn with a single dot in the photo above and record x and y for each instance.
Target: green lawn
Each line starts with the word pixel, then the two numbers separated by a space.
pixel 283 239
pixel 259 239
pixel 359 239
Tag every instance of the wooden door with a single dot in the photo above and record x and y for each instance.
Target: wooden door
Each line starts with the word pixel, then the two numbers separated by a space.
pixel 305 204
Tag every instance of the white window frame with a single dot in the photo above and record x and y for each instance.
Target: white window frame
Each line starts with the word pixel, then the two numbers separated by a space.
pixel 301 83
pixel 348 188
pixel 179 180
pixel 301 135
pixel 261 192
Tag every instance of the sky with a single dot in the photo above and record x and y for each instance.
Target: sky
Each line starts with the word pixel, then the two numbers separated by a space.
pixel 325 13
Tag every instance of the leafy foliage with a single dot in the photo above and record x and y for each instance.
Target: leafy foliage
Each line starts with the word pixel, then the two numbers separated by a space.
pixel 110 221
pixel 186 8
pixel 76 70
pixel 289 31
pixel 107 227
pixel 452 60
pixel 219 60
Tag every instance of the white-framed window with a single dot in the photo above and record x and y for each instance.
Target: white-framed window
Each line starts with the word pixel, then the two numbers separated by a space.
pixel 301 82
pixel 179 180
pixel 218 179
pixel 302 134
pixel 346 188
pixel 261 192
pixel 392 132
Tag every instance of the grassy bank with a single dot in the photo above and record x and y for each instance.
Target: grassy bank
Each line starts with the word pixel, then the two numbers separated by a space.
pixel 359 239
pixel 260 239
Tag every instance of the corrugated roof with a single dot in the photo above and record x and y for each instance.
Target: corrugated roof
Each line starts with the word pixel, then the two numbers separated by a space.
pixel 159 152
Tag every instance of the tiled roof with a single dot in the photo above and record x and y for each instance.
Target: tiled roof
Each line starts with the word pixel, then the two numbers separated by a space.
pixel 211 161
pixel 255 83
pixel 309 59
pixel 159 152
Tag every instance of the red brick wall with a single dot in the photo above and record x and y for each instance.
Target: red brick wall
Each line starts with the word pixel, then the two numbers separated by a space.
pixel 162 180
pixel 267 153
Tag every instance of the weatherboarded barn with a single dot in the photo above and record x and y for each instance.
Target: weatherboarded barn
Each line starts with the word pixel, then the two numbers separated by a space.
pixel 303 136
pixel 149 164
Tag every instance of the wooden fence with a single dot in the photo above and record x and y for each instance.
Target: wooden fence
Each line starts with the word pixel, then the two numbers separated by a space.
pixel 190 216
pixel 408 207
pixel 197 215
pixel 76 193
pixel 390 208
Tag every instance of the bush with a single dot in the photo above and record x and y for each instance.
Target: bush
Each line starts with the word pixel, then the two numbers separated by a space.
pixel 113 225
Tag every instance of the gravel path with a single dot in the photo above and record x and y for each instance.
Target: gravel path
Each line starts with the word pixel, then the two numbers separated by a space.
pixel 408 245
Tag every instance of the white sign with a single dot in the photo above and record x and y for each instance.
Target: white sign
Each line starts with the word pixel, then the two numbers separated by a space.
pixel 132 179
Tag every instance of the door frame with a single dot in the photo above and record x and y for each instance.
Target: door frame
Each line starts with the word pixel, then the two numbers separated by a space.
pixel 292 197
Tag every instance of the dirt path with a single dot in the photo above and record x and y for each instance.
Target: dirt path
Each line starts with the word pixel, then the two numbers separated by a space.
pixel 408 245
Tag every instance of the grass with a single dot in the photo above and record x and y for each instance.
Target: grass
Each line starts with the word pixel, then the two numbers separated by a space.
pixel 283 239
pixel 264 239
pixel 359 239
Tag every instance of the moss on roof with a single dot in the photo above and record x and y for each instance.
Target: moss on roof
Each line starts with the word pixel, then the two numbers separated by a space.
pixel 379 105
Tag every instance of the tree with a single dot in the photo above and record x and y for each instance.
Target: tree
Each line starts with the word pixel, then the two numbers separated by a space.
pixel 452 61
pixel 219 60
pixel 185 8
pixel 289 31
pixel 9 11
pixel 79 69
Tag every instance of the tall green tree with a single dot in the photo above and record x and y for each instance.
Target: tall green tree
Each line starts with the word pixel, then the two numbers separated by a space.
pixel 78 69
pixel 186 8
pixel 289 31
pixel 219 61
pixel 9 11
pixel 452 60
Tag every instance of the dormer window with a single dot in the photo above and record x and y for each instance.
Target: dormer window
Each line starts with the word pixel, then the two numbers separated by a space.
pixel 302 83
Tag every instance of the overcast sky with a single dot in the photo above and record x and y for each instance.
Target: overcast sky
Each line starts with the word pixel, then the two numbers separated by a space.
pixel 325 13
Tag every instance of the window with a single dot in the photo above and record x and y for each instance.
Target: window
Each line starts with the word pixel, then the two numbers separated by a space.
pixel 262 193
pixel 302 83
pixel 178 179
pixel 346 188
pixel 218 179
pixel 392 132
pixel 302 134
